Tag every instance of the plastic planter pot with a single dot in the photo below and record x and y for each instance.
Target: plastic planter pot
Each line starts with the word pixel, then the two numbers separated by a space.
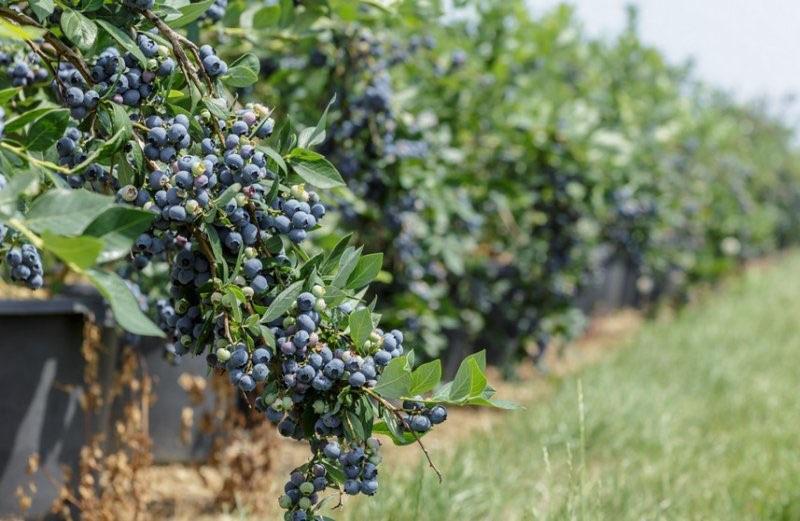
pixel 170 401
pixel 41 381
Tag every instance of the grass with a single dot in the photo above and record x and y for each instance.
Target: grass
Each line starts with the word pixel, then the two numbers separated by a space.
pixel 697 418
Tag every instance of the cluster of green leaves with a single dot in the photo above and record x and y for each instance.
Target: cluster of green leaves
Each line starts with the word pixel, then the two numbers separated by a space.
pixel 81 229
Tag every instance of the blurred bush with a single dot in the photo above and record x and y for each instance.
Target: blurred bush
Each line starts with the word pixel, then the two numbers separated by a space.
pixel 503 161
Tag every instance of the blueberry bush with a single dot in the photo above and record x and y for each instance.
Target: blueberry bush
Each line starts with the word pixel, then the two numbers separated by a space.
pixel 502 160
pixel 131 160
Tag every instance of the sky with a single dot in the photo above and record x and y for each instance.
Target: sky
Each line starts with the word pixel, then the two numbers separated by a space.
pixel 750 48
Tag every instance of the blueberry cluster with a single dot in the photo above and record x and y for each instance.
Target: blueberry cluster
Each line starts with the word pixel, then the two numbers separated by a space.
pixel 216 11
pixel 166 138
pixel 145 248
pixel 115 75
pixel 294 216
pixel 360 465
pixel 419 418
pixel 303 490
pixel 245 370
pixel 212 64
pixel 26 265
pixel 22 68
pixel 71 152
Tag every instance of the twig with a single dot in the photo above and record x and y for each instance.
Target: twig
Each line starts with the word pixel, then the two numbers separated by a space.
pixel 396 412
pixel 47 164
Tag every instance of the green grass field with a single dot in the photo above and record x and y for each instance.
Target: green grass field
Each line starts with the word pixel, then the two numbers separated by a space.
pixel 697 418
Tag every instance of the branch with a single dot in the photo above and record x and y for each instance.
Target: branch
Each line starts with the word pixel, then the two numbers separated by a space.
pixel 391 408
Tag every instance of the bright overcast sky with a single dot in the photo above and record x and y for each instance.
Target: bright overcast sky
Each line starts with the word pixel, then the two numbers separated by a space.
pixel 748 47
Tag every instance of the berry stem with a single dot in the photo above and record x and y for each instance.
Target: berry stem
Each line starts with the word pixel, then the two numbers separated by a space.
pixel 41 162
pixel 391 408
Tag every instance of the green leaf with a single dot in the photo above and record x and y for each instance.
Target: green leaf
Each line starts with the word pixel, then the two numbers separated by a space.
pixel 314 168
pixel 80 30
pixel 359 419
pixel 66 212
pixel 8 94
pixel 12 31
pixel 190 13
pixel 46 130
pixel 124 40
pixel 118 227
pixel 312 136
pixel 425 377
pixel 360 322
pixel 266 17
pixel 42 8
pixel 217 107
pixel 347 263
pixel 120 120
pixel 23 119
pixel 80 251
pixel 469 381
pixel 332 258
pixel 216 249
pixel 282 302
pixel 395 381
pixel 334 472
pixel 244 72
pixel 15 187
pixel 275 156
pixel 388 426
pixel 365 271
pixel 123 304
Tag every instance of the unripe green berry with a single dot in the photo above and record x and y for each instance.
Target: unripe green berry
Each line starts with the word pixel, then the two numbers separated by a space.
pixel 288 322
pixel 181 306
pixel 304 502
pixel 239 280
pixel 287 403
pixel 163 51
pixel 129 193
pixel 250 252
pixel 192 206
pixel 320 305
pixel 241 199
pixel 223 355
pixel 307 488
pixel 278 404
pixel 199 168
pixel 216 297
pixel 319 406
pixel 285 502
pixel 318 291
pixel 248 292
pixel 186 340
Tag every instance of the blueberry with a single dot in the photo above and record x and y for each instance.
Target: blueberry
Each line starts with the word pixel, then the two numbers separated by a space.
pixel 251 268
pixel 238 358
pixel 438 414
pixel 357 379
pixel 306 301
pixel 259 284
pixel 260 372
pixel 352 487
pixel 297 235
pixel 419 423
pixel 247 383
